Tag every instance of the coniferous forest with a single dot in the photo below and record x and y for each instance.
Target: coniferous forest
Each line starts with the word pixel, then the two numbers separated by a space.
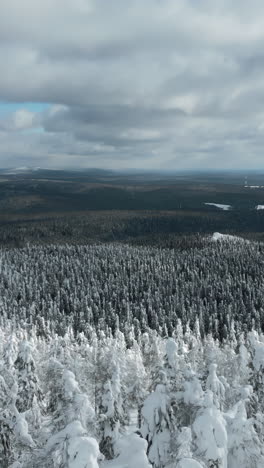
pixel 116 356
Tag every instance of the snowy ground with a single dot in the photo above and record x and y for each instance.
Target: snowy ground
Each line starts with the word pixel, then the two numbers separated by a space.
pixel 225 237
pixel 222 207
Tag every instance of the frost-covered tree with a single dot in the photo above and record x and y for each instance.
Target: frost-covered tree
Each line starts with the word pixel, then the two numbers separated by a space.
pixel 214 384
pixel 188 401
pixel 183 456
pixel 173 365
pixel 72 448
pixel 210 435
pixel 244 447
pixel 28 385
pixel 131 452
pixel 107 330
pixel 109 421
pixel 157 424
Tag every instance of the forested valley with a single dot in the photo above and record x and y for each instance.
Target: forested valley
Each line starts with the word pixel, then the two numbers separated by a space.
pixel 116 356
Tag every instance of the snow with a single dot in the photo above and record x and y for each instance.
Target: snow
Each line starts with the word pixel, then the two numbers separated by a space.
pixel 210 431
pixel 260 207
pixel 156 425
pixel 214 384
pixel 188 463
pixel 171 352
pixel 82 451
pixel 220 206
pixel 132 453
pixel 73 429
pixel 133 421
pixel 193 392
pixel 243 443
pixel 21 430
pixel 225 237
pixel 70 385
pixel 258 349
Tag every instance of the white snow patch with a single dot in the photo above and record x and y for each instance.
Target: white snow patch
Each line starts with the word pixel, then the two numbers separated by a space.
pixel 225 237
pixel 260 207
pixel 188 463
pixel 220 206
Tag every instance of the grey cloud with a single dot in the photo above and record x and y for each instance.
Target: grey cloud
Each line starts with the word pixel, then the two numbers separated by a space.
pixel 133 83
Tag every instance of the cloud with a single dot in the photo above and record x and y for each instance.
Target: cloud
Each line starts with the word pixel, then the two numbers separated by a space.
pixel 133 84
pixel 23 119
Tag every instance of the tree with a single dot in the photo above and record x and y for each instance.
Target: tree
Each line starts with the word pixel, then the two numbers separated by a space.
pixel 109 422
pixel 28 385
pixel 245 448
pixel 72 448
pixel 210 436
pixel 216 386
pixel 157 424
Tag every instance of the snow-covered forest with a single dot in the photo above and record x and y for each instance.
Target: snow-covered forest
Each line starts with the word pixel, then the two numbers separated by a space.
pixel 113 356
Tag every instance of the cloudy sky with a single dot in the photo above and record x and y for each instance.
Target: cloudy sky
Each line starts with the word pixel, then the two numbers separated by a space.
pixel 170 84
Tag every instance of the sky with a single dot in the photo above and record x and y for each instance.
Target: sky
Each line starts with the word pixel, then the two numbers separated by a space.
pixel 132 84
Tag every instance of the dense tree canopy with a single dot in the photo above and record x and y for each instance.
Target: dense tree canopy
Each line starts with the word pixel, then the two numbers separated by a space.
pixel 115 356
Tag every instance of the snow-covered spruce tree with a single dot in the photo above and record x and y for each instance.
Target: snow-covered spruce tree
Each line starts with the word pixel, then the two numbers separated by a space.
pixel 16 432
pixel 183 456
pixel 5 438
pixel 131 453
pixel 6 421
pixel 152 354
pixel 109 421
pixel 28 384
pixel 71 448
pixel 244 446
pixel 67 402
pixel 136 380
pixel 210 436
pixel 217 388
pixel 256 364
pixel 109 355
pixel 119 394
pixel 157 423
pixel 188 400
pixel 10 351
pixel 173 365
pixel 72 425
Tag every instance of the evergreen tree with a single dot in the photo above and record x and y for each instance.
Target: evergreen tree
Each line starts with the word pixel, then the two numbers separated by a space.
pixel 157 424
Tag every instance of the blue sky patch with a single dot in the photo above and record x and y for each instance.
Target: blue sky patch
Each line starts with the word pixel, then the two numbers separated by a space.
pixel 7 107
